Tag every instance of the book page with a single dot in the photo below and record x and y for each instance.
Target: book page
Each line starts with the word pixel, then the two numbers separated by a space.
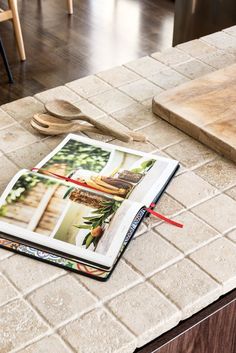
pixel 114 170
pixel 59 215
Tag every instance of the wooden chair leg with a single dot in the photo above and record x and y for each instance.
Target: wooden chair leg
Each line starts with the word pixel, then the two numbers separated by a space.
pixel 17 28
pixel 5 62
pixel 70 6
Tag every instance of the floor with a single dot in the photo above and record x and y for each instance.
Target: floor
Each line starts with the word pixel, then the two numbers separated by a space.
pixel 101 34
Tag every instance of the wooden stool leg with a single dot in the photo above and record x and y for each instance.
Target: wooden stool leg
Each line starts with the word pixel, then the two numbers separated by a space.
pixel 70 6
pixel 5 61
pixel 17 28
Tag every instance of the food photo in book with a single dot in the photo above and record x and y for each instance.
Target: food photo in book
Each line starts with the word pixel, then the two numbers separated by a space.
pixel 52 208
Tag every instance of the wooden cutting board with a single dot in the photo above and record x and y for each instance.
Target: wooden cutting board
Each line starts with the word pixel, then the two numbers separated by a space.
pixel 205 109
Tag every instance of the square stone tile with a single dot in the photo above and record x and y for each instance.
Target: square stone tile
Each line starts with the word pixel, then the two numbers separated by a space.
pixel 90 109
pixel 4 253
pixel 161 153
pixel 27 126
pixel 193 235
pixel 221 40
pixel 29 273
pixel 146 66
pixel 218 59
pixel 23 108
pixel 162 134
pixel 20 325
pixel 231 192
pixel 111 101
pixel 60 92
pixel 196 48
pixel 27 157
pixel 47 344
pixel 98 332
pixel 218 259
pixel 151 253
pixel 53 141
pixel 88 86
pixel 141 90
pixel 5 120
pixel 147 103
pixel 118 76
pixel 62 299
pixel 171 56
pixel 8 170
pixel 141 230
pixel 135 145
pixel 136 116
pixel 146 312
pixel 166 206
pixel 122 279
pixel 168 79
pixel 14 137
pixel 191 153
pixel 221 173
pixel 193 69
pixel 231 31
pixel 219 212
pixel 189 189
pixel 232 235
pixel 187 286
pixel 7 291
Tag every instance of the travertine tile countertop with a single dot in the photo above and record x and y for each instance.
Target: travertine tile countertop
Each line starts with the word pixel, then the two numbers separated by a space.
pixel 167 274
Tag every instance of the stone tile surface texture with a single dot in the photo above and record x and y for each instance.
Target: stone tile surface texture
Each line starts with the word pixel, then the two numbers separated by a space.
pixel 118 76
pixel 189 189
pixel 88 86
pixel 197 153
pixel 47 344
pixel 149 320
pixel 168 79
pixel 98 332
pixel 159 253
pixel 111 101
pixel 189 287
pixel 167 273
pixel 136 116
pixel 20 324
pixel 62 299
pixel 171 56
pixel 218 259
pixel 61 92
pixel 141 90
pixel 146 66
pixel 221 173
pixel 194 234
pixel 193 69
pixel 219 212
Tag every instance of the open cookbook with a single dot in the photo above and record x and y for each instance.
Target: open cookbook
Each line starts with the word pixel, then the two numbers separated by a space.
pixel 82 204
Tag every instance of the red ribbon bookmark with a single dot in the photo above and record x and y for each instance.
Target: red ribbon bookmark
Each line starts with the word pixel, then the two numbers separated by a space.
pixel 163 218
pixel 149 209
pixel 74 181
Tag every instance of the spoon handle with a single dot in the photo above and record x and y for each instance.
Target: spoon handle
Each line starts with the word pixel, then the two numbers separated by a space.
pixel 110 131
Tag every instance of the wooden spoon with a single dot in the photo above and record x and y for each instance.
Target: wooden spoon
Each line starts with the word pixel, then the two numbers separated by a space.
pixel 68 111
pixel 51 125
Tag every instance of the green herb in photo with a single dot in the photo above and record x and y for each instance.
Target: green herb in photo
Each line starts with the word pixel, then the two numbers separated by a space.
pixel 95 223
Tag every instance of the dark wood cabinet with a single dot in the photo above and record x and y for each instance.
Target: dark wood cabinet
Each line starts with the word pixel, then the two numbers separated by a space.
pixel 196 18
pixel 213 330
